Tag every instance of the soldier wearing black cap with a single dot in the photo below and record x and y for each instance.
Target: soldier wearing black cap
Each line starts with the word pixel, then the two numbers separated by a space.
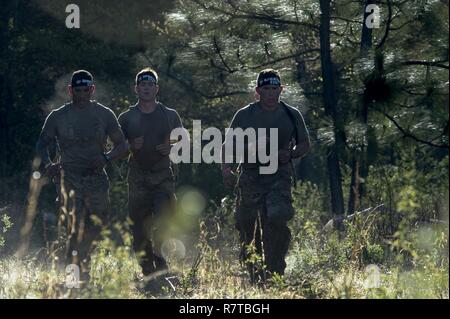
pixel 263 205
pixel 151 195
pixel 81 128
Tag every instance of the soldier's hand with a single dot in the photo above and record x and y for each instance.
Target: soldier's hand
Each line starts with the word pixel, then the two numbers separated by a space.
pixel 98 162
pixel 229 179
pixel 284 156
pixel 137 143
pixel 53 170
pixel 163 149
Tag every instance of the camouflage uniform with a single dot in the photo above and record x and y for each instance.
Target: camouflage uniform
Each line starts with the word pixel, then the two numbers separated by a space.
pixel 84 192
pixel 264 202
pixel 151 189
pixel 263 208
pixel 90 197
pixel 151 200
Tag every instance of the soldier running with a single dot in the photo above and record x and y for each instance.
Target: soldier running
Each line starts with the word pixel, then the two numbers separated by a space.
pixel 264 202
pixel 151 190
pixel 80 129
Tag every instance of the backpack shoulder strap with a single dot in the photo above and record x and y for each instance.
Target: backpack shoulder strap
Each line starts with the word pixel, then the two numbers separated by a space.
pixel 292 118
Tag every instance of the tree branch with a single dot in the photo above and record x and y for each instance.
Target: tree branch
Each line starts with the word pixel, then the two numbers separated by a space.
pixel 346 20
pixel 388 25
pixel 256 16
pixel 190 87
pixel 402 25
pixel 426 63
pixel 283 58
pixel 420 94
pixel 219 52
pixel 409 135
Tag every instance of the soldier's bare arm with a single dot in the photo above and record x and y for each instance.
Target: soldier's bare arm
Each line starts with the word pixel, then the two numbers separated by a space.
pixel 229 164
pixel 303 144
pixel 132 144
pixel 301 148
pixel 164 149
pixel 119 150
pixel 42 145
pixel 45 140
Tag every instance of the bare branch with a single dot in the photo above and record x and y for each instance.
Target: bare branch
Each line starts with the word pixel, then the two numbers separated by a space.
pixel 283 58
pixel 257 16
pixel 239 57
pixel 409 135
pixel 388 25
pixel 401 26
pixel 219 53
pixel 189 86
pixel 346 20
pixel 420 94
pixel 426 63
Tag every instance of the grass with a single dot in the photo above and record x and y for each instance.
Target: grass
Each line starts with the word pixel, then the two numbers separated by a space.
pixel 361 260
pixel 331 269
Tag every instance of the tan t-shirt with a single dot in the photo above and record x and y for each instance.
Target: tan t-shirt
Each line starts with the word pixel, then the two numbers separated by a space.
pixel 155 127
pixel 81 134
pixel 254 116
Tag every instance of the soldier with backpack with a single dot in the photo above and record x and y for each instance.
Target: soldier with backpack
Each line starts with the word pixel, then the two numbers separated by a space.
pixel 264 203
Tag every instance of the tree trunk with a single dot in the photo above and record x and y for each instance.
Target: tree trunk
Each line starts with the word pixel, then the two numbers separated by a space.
pixel 359 157
pixel 5 93
pixel 366 34
pixel 332 109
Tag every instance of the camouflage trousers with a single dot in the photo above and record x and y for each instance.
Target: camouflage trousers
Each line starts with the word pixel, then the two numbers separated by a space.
pixel 83 198
pixel 263 208
pixel 151 202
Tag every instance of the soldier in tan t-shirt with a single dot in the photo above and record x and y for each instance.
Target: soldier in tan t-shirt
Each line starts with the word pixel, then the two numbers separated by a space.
pixel 151 192
pixel 263 205
pixel 80 129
